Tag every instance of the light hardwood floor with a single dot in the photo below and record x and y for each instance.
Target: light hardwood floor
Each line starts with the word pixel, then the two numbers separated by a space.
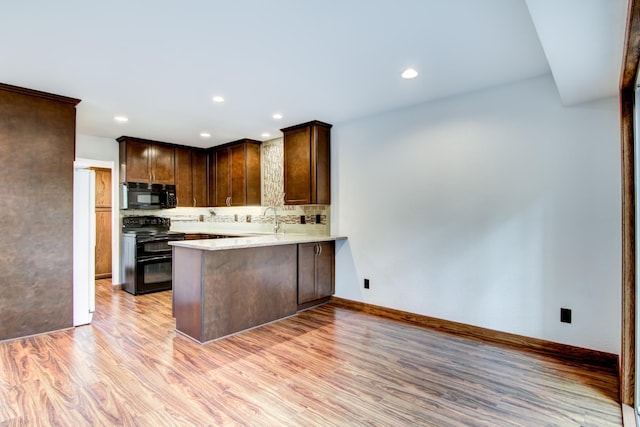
pixel 326 366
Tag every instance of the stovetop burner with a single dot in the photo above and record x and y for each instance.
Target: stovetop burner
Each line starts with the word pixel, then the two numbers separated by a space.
pixel 148 226
pixel 147 222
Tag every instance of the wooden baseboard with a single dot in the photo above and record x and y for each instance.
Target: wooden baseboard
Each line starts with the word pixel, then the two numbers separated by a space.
pixel 534 345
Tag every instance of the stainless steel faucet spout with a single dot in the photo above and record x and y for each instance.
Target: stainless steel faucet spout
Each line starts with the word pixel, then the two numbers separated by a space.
pixel 276 225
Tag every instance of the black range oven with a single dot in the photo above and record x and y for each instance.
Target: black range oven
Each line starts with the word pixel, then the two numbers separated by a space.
pixel 146 254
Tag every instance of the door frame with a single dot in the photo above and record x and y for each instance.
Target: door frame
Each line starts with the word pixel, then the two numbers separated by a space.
pixel 115 208
pixel 628 79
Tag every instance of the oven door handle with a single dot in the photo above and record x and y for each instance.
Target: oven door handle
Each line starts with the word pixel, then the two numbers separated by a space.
pixel 153 259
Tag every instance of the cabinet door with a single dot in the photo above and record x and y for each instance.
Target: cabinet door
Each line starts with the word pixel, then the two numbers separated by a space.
pixel 183 175
pixel 306 272
pixel 103 243
pixel 297 166
pixel 321 166
pixel 254 186
pixel 211 161
pixel 223 162
pixel 103 187
pixel 162 165
pixel 238 175
pixel 138 155
pixel 325 270
pixel 199 177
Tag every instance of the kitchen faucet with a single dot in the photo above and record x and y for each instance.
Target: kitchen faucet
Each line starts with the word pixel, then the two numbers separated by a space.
pixel 276 225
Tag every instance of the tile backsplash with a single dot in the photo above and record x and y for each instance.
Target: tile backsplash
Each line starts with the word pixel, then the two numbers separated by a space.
pixel 307 219
pixel 295 219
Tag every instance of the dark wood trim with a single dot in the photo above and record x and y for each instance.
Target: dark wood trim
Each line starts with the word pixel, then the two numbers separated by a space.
pixel 232 143
pixel 628 339
pixel 628 80
pixel 552 349
pixel 125 138
pixel 39 94
pixel 307 124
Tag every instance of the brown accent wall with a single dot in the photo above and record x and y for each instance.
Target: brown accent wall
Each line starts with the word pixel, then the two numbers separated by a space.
pixel 37 143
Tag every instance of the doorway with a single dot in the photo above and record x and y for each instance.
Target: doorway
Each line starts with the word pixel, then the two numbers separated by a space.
pixel 112 253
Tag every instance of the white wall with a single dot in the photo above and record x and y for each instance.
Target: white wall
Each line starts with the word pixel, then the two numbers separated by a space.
pixel 104 152
pixel 493 209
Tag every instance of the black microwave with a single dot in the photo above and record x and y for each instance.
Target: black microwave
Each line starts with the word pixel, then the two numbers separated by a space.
pixel 140 195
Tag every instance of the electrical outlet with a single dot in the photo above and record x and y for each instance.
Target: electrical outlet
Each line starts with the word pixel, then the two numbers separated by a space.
pixel 366 283
pixel 235 217
pixel 303 219
pixel 201 218
pixel 248 218
pixel 565 315
pixel 318 219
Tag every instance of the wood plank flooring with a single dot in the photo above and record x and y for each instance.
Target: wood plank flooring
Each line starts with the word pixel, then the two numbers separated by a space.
pixel 327 366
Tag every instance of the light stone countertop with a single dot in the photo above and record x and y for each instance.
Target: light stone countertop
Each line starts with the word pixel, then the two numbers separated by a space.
pixel 253 241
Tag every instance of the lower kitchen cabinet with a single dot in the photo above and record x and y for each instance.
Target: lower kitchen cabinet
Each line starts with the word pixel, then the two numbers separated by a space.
pixel 316 273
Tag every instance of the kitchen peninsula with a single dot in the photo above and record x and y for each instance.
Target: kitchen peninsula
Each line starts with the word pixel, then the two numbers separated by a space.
pixel 224 286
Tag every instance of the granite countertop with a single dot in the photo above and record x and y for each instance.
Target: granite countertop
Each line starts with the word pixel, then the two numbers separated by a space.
pixel 252 241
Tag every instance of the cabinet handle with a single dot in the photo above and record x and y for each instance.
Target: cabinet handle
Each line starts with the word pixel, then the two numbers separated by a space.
pixel 319 249
pixel 229 201
pixel 315 249
pixel 194 202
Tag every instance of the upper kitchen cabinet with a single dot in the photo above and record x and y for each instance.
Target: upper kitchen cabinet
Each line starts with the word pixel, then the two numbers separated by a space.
pixel 191 176
pixel 307 164
pixel 234 174
pixel 142 160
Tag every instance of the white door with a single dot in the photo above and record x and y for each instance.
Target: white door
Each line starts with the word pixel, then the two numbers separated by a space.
pixel 84 243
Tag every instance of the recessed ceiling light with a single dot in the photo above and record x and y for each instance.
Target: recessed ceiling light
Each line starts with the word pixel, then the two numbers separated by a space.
pixel 277 116
pixel 409 73
pixel 121 119
pixel 205 134
pixel 218 99
pixel 265 135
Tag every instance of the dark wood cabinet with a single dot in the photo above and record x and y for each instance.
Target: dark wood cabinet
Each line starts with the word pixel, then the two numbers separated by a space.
pixel 307 164
pixel 316 273
pixel 146 161
pixel 191 177
pixel 184 177
pixel 199 173
pixel 234 174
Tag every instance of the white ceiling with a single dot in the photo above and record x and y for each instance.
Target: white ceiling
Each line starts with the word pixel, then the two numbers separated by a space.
pixel 160 62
